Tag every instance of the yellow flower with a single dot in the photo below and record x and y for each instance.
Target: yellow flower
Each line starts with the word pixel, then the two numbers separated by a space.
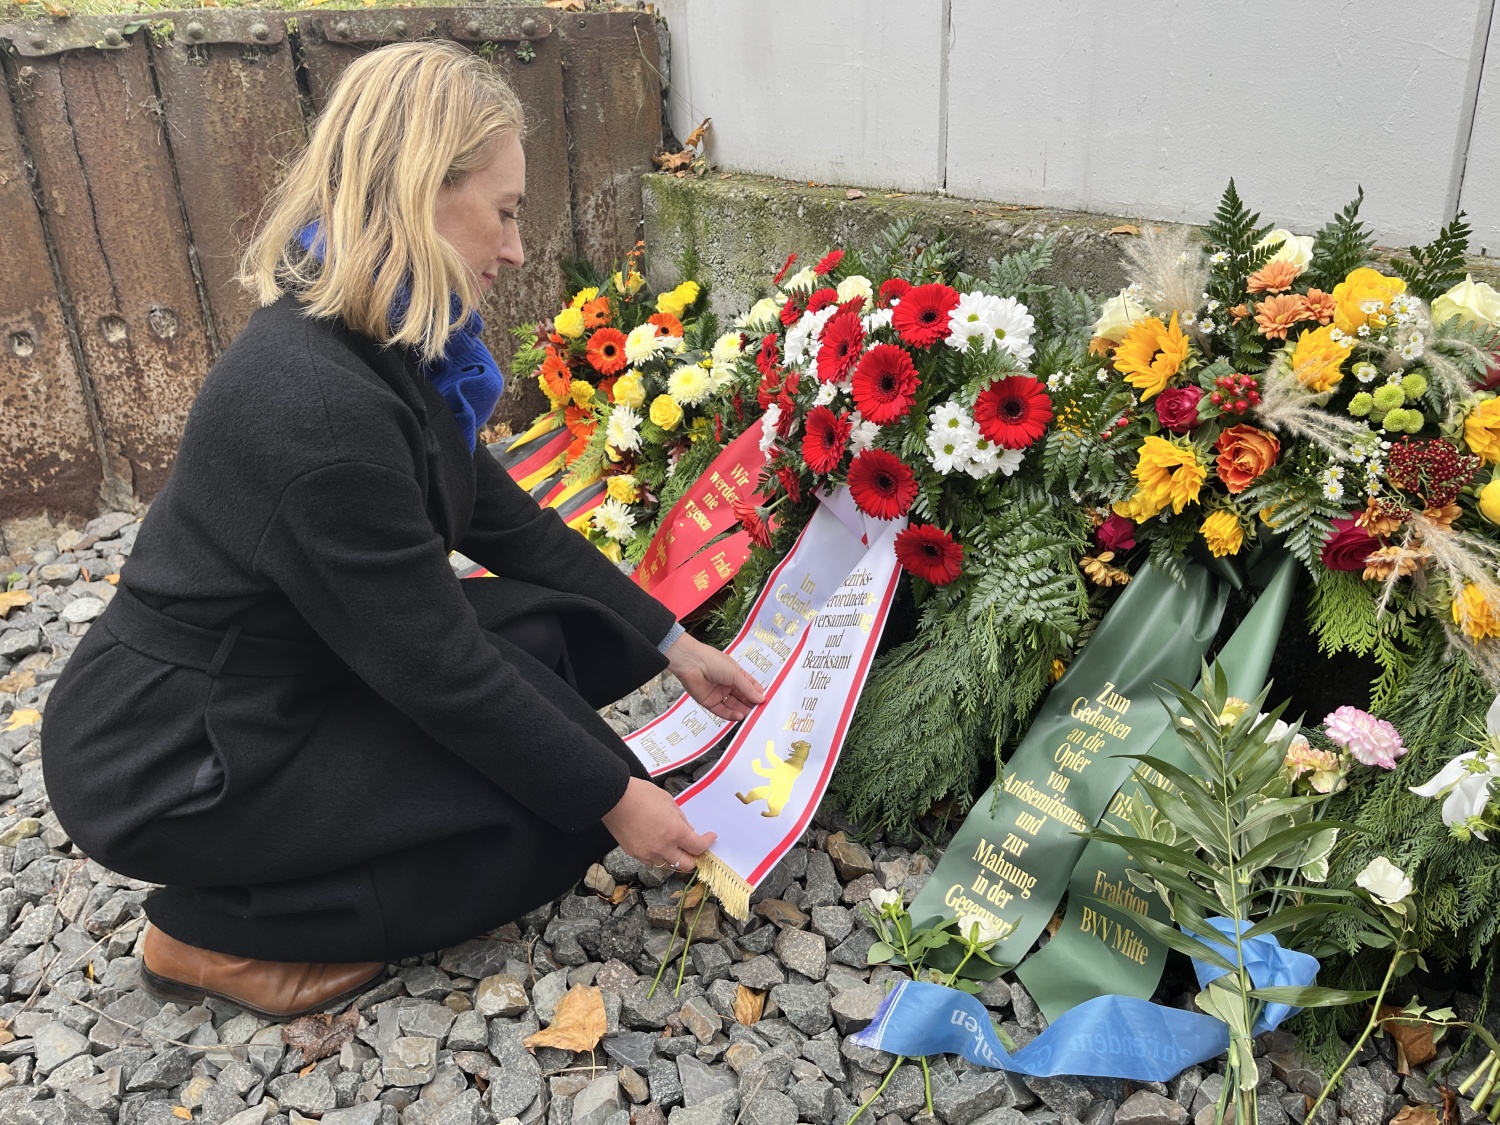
pixel 1477 613
pixel 582 393
pixel 611 550
pixel 676 302
pixel 1489 501
pixel 1150 354
pixel 569 323
pixel 623 488
pixel 1058 668
pixel 628 391
pixel 1136 507
pixel 1168 474
pixel 1482 431
pixel 630 286
pixel 1472 301
pixel 1364 297
pixel 583 296
pixel 1119 313
pixel 665 412
pixel 1318 358
pixel 1223 533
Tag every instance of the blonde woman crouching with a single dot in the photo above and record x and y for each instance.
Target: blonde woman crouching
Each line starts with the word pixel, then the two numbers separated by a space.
pixel 330 751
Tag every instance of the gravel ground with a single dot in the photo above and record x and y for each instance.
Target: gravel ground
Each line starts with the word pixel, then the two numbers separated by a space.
pixel 439 1041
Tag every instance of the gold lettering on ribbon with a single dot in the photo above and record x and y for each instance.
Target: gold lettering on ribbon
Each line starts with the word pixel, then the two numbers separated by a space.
pixel 1120 938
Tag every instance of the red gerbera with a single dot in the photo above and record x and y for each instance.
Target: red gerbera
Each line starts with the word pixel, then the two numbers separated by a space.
pixel 791 312
pixel 769 356
pixel 822 299
pixel 791 483
pixel 885 386
pixel 606 351
pixel 843 338
pixel 756 521
pixel 1013 412
pixel 892 290
pixel 824 440
pixel 922 316
pixel 667 323
pixel 788 416
pixel 786 265
pixel 829 262
pixel 882 485
pixel 930 553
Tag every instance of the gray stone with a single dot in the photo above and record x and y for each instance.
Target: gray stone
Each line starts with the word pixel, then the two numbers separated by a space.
pixel 128 1013
pixel 769 1107
pixel 636 1088
pixel 500 995
pixel 859 891
pixel 854 1008
pixel 964 1099
pixel 699 1017
pixel 854 950
pixel 758 940
pixel 598 1101
pixel 642 1012
pixel 995 994
pixel 1027 1014
pixel 366 1113
pixel 313 1094
pixel 103 1090
pixel 1147 1108
pixel 814 1099
pixel 255 1115
pixel 108 525
pixel 171 1068
pixel 72 1072
pixel 832 922
pixel 56 1043
pixel 759 972
pixel 630 1048
pixel 517 1081
pixel 469 1033
pixel 666 1085
pixel 1291 1068
pixel 16 643
pixel 710 962
pixel 805 1006
pixel 426 982
pixel 701 1082
pixel 850 857
pixel 1360 1098
pixel 803 952
pixel 823 887
pixel 719 1110
pixel 548 992
pixel 425 1019
pixel 80 610
pixel 1065 1094
pixel 1100 1113
pixel 411 1061
pixel 1005 1115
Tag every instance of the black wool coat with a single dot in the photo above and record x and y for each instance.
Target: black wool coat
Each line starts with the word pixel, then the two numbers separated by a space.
pixel 292 684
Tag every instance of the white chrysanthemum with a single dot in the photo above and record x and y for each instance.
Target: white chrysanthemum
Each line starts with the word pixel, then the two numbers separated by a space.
pixel 803 281
pixel 970 318
pixel 723 375
pixel 727 349
pixel 801 336
pixel 615 520
pixel 1011 326
pixel 880 318
pixel 984 458
pixel 690 384
pixel 855 285
pixel 1010 461
pixel 764 315
pixel 624 429
pixel 862 434
pixel 825 394
pixel 768 427
pixel 952 417
pixel 642 344
pixel 949 450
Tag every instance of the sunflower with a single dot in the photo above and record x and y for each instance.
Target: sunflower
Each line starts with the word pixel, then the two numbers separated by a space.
pixel 1167 474
pixel 606 351
pixel 1150 354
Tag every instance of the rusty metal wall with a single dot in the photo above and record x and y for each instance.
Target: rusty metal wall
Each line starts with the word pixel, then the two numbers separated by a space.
pixel 154 147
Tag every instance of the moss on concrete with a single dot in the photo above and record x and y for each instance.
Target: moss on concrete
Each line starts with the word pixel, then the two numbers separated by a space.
pixel 734 231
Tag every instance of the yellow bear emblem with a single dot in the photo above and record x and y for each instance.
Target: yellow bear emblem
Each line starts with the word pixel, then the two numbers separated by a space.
pixel 780 774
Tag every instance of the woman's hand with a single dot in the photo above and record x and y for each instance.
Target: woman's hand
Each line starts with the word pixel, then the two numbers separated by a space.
pixel 650 827
pixel 713 679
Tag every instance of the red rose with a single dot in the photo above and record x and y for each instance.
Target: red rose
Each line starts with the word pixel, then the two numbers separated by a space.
pixel 1116 534
pixel 1177 407
pixel 1348 546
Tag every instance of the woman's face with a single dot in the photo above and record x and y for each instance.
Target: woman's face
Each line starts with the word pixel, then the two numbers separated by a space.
pixel 479 215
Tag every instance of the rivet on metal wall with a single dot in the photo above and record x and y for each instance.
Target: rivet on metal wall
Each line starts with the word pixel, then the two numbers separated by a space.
pixel 113 37
pixel 528 27
pixel 22 344
pixel 162 321
pixel 112 328
pixel 260 31
pixel 341 28
pixel 195 30
pixel 582 23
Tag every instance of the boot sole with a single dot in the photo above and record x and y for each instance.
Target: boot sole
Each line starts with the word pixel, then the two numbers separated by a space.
pixel 176 992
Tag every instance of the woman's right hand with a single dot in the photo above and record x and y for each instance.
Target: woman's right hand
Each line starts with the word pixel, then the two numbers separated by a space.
pixel 649 826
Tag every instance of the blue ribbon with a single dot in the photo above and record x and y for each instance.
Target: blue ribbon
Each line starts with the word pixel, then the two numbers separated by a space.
pixel 1106 1037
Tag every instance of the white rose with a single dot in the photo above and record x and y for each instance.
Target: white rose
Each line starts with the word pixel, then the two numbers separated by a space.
pixel 1472 301
pixel 804 280
pixel 856 285
pixel 881 898
pixel 1384 880
pixel 1119 313
pixel 1466 790
pixel 979 929
pixel 1294 248
pixel 764 315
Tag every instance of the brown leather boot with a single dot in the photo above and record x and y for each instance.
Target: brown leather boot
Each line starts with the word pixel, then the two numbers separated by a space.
pixel 173 970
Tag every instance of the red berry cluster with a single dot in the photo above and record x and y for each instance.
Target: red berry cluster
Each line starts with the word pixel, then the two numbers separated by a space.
pixel 1236 394
pixel 1117 426
pixel 1434 470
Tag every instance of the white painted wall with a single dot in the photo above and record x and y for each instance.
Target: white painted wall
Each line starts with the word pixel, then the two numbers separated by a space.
pixel 1141 108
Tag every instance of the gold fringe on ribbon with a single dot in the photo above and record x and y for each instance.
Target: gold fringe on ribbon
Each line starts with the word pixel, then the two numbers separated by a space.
pixel 726 884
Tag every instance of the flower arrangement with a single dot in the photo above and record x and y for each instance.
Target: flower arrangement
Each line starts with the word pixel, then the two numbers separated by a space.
pixel 631 374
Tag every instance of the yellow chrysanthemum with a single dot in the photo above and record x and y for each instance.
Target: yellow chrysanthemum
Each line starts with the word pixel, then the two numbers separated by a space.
pixel 1364 297
pixel 581 392
pixel 631 285
pixel 1150 354
pixel 1056 672
pixel 623 488
pixel 583 296
pixel 628 391
pixel 1477 613
pixel 1168 474
pixel 665 412
pixel 677 301
pixel 569 323
pixel 1482 431
pixel 1317 360
pixel 1223 533
pixel 690 384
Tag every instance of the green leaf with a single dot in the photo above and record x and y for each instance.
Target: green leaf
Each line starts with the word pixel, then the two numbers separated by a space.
pixel 1166 853
pixel 1174 938
pixel 1290 917
pixel 1311 996
pixel 1280 842
pixel 879 953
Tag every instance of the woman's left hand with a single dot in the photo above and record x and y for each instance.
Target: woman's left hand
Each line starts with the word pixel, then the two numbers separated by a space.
pixel 713 679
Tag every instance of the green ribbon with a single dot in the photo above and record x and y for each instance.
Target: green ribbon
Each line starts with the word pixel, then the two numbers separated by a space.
pixel 1097 951
pixel 1012 858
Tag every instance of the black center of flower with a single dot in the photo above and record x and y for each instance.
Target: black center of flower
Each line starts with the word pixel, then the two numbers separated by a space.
pixel 886 384
pixel 932 552
pixel 1013 409
pixel 885 482
pixel 928 316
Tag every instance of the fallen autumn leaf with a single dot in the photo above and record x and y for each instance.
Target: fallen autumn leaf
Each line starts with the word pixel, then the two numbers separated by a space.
pixel 577 1025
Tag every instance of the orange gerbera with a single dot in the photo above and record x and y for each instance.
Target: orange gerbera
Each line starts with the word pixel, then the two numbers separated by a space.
pixel 576 449
pixel 669 324
pixel 606 351
pixel 596 313
pixel 581 423
pixel 555 378
pixel 1320 306
pixel 1276 315
pixel 1239 312
pixel 1273 277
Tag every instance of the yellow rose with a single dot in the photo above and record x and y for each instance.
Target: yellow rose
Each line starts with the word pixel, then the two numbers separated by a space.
pixel 630 287
pixel 611 550
pixel 583 296
pixel 1136 507
pixel 1223 533
pixel 1473 302
pixel 1295 248
pixel 623 488
pixel 665 412
pixel 855 285
pixel 1168 474
pixel 1150 354
pixel 1356 294
pixel 1489 501
pixel 569 323
pixel 1317 360
pixel 1119 313
pixel 581 392
pixel 763 315
pixel 628 391
pixel 677 301
pixel 1477 612
pixel 1482 431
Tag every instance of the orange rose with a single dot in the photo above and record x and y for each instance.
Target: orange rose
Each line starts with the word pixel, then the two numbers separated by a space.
pixel 1245 453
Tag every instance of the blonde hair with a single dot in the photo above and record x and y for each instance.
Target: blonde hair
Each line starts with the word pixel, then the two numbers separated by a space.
pixel 401 122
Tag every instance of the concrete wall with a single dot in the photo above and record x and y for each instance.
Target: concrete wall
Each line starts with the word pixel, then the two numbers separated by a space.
pixel 1143 108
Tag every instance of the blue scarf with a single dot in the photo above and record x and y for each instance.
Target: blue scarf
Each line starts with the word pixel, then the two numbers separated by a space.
pixel 466 374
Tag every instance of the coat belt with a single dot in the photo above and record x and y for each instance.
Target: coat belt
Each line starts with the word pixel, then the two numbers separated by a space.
pixel 219 652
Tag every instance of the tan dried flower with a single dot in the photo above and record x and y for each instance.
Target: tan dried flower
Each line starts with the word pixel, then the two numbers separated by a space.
pixel 1374 521
pixel 1400 562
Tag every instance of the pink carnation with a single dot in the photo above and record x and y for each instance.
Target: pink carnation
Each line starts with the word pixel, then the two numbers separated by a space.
pixel 1372 741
